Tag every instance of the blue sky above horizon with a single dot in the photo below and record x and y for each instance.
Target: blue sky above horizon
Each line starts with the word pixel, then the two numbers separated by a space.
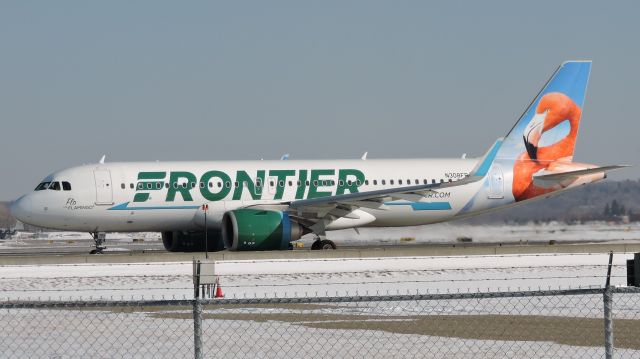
pixel 159 80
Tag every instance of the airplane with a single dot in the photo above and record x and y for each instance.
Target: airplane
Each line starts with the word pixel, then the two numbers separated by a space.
pixel 267 205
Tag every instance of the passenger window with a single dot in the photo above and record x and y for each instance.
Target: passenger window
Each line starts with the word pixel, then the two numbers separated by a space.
pixel 149 185
pixel 131 185
pixel 235 184
pixel 281 183
pixel 201 184
pixel 366 182
pixel 299 183
pixel 425 181
pixel 307 182
pixel 399 181
pixel 290 183
pixel 175 185
pixel 315 183
pixel 166 185
pixel 67 186
pixel 375 182
pixel 384 182
pixel 123 186
pixel 390 181
pixel 358 183
pixel 441 180
pixel 55 186
pixel 140 186
pixel 227 184
pixel 258 183
pixel 433 181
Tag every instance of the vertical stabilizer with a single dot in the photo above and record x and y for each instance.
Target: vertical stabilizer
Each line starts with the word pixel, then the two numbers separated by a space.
pixel 548 129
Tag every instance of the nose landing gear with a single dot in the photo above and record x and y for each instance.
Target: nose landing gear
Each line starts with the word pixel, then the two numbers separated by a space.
pixel 98 238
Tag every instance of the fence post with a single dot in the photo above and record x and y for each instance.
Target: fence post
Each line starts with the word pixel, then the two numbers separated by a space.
pixel 197 311
pixel 608 322
pixel 197 327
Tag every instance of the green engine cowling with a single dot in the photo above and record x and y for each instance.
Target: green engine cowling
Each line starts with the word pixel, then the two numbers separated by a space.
pixel 259 230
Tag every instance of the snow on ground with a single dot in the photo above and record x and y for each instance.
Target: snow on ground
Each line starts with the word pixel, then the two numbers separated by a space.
pixel 304 277
pixel 139 334
pixel 451 232
pixel 70 236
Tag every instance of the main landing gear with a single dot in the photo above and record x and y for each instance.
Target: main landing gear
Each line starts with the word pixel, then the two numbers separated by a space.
pixel 99 239
pixel 322 244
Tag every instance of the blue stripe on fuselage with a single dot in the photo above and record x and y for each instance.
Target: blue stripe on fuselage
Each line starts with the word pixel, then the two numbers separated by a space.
pixel 125 207
pixel 423 206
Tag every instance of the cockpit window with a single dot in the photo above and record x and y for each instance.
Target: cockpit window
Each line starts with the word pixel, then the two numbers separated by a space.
pixel 42 186
pixel 66 186
pixel 55 186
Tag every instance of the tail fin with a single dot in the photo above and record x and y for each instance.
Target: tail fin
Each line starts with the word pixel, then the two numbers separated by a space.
pixel 548 129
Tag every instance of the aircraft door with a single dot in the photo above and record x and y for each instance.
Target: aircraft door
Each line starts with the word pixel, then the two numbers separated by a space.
pixel 496 182
pixel 104 190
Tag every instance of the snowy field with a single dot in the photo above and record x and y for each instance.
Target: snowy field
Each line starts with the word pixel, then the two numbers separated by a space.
pixel 357 329
pixel 452 232
pixel 318 277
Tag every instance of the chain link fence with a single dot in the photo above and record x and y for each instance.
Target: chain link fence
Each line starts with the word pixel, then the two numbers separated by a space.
pixel 530 324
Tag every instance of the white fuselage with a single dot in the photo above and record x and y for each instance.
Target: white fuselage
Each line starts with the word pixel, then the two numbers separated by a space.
pixel 165 196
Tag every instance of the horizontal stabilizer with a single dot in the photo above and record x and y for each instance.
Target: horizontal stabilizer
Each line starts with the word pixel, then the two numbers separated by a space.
pixel 565 175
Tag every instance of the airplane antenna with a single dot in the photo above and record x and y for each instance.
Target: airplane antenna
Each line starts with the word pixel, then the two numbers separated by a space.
pixel 284 157
pixel 102 159
pixel 464 156
pixel 364 156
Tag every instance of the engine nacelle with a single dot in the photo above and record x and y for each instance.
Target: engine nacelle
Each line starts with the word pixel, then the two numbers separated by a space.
pixel 259 230
pixel 179 241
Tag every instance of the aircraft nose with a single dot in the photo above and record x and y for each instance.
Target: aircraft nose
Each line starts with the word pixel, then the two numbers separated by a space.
pixel 22 208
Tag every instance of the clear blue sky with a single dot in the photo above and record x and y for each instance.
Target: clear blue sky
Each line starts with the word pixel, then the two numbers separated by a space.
pixel 160 80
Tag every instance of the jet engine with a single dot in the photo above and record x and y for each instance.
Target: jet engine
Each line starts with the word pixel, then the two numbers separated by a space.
pixel 259 230
pixel 180 241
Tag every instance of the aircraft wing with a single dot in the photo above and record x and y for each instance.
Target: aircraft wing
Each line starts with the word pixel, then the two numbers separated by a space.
pixel 319 212
pixel 323 210
pixel 379 196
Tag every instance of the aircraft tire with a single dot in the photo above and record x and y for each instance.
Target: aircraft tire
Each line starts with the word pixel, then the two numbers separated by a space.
pixel 327 244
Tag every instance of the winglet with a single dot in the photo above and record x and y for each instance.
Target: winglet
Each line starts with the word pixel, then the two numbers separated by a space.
pixel 483 166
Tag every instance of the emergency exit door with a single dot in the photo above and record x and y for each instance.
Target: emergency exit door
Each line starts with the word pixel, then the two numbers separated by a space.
pixel 496 182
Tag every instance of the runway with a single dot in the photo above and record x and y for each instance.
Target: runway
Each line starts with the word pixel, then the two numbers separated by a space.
pixel 123 251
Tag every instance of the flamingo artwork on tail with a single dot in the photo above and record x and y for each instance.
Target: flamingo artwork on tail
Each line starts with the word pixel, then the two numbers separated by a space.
pixel 552 110
pixel 535 158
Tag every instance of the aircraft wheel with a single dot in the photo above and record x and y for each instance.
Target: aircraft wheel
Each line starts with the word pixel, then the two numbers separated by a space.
pixel 327 244
pixel 316 245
